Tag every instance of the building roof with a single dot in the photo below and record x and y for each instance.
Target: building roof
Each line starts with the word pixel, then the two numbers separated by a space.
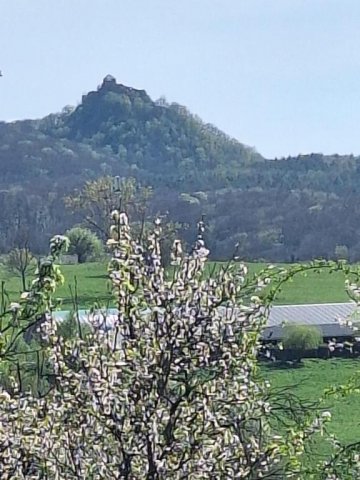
pixel 331 330
pixel 313 314
pixel 326 316
pixel 105 317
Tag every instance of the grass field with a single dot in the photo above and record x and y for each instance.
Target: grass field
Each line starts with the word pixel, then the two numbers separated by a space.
pixel 308 382
pixel 313 288
pixel 311 380
pixel 92 285
pixel 91 280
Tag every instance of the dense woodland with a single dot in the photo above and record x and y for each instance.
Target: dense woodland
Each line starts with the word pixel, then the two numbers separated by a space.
pixel 275 209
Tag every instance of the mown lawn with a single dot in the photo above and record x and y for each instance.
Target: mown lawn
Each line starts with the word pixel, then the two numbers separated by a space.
pixel 90 280
pixel 92 285
pixel 309 383
pixel 310 288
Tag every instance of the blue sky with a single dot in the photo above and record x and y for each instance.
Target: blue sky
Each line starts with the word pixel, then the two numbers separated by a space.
pixel 280 75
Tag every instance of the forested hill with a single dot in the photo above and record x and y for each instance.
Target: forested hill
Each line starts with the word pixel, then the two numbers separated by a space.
pixel 281 209
pixel 161 143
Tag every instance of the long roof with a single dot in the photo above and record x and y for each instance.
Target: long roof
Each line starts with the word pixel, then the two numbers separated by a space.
pixel 313 314
pixel 331 330
pixel 307 314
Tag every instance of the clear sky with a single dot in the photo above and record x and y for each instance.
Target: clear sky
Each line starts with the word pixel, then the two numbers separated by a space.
pixel 280 75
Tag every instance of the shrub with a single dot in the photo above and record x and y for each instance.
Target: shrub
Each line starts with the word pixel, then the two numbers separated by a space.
pixel 84 243
pixel 302 337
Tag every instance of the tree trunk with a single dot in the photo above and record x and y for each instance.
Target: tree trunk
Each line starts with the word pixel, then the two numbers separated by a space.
pixel 23 280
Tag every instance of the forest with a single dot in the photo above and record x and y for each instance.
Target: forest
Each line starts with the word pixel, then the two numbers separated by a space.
pixel 282 209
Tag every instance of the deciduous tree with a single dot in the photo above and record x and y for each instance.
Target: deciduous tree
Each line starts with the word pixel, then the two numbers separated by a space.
pixel 20 261
pixel 84 243
pixel 98 198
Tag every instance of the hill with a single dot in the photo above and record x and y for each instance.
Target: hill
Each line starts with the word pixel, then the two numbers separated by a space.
pixel 282 209
pixel 162 144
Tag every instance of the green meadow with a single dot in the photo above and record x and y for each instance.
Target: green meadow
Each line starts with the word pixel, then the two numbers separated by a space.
pixel 87 282
pixel 90 282
pixel 312 287
pixel 310 381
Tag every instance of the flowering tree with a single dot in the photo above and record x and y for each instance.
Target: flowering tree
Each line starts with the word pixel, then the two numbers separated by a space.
pixel 172 391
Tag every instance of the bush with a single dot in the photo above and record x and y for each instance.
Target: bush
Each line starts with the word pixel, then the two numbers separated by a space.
pixel 302 337
pixel 84 243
